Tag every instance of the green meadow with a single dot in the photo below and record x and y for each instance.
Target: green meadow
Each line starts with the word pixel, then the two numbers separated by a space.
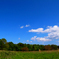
pixel 28 55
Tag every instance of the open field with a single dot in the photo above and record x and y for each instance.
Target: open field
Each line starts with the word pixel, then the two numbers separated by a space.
pixel 29 55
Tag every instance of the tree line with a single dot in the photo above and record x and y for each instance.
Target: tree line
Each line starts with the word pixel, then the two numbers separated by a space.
pixel 10 46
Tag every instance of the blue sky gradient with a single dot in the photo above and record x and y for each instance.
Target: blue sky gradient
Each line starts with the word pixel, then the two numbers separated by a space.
pixel 36 13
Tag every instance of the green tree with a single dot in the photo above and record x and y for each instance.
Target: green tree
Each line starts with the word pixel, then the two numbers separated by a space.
pixel 20 45
pixel 30 47
pixel 11 46
pixel 35 47
pixel 1 45
pixel 16 47
pixel 54 47
pixel 41 47
pixel 4 40
pixel 6 46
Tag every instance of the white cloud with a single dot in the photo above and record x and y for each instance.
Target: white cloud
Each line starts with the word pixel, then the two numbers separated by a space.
pixel 31 41
pixel 53 35
pixel 33 38
pixel 49 29
pixel 36 30
pixel 52 29
pixel 27 40
pixel 40 39
pixel 53 32
pixel 27 25
pixel 19 38
pixel 22 27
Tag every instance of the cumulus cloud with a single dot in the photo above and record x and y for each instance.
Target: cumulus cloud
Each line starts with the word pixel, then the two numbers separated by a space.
pixel 52 29
pixel 49 29
pixel 53 35
pixel 22 27
pixel 27 25
pixel 33 38
pixel 36 30
pixel 40 39
pixel 53 32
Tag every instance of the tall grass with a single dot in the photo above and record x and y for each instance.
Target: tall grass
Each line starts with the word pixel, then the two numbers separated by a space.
pixel 6 54
pixel 28 55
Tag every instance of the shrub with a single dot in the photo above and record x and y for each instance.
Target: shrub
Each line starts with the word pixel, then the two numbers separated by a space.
pixel 54 47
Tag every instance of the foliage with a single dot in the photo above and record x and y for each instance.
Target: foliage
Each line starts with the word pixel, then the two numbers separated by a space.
pixel 4 40
pixel 24 49
pixel 54 47
pixel 47 47
pixel 41 47
pixel 11 46
pixel 4 45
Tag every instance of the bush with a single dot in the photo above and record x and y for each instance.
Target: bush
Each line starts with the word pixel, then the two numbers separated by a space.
pixel 54 47
pixel 24 49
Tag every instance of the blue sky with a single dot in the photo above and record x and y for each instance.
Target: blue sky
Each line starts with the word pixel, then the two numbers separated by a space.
pixel 30 21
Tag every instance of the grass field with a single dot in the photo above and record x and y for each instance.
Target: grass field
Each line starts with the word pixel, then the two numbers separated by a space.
pixel 29 55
